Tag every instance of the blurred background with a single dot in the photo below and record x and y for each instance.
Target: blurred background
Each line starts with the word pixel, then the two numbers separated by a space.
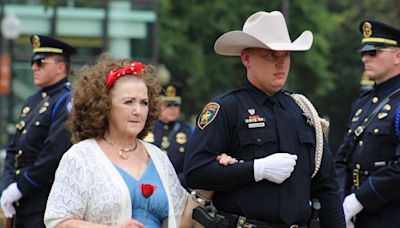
pixel 177 36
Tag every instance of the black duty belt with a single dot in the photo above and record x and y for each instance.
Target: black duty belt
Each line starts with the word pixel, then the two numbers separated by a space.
pixel 242 222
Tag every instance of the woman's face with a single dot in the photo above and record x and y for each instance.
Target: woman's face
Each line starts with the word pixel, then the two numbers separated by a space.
pixel 130 107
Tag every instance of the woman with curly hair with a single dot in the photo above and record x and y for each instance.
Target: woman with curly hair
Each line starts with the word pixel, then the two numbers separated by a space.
pixel 110 177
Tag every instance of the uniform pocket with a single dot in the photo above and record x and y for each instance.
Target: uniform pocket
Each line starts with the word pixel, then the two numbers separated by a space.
pixel 306 137
pixel 256 144
pixel 379 129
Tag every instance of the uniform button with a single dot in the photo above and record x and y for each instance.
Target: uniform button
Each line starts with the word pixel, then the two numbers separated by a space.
pixel 366 119
pixel 24 131
pixel 19 152
pixel 375 100
pixel 361 143
pixel 181 149
pixel 17 172
pixel 376 130
pixel 259 140
pixel 349 131
pixel 37 123
pixel 44 94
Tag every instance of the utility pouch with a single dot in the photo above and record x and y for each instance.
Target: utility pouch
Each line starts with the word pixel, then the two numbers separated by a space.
pixel 202 215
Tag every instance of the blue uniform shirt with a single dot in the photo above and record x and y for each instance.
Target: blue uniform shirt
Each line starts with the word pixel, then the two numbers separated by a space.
pixel 241 123
pixel 38 145
pixel 374 155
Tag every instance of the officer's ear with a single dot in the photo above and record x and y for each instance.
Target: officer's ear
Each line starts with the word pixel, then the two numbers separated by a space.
pixel 245 57
pixel 397 56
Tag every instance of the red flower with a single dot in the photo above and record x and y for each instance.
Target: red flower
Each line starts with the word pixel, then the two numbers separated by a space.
pixel 147 190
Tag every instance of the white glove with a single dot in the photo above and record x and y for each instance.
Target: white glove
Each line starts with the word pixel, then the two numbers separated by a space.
pixel 275 168
pixel 351 207
pixel 349 224
pixel 8 197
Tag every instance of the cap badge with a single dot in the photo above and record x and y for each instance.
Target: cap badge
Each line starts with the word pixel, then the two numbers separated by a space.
pixel 36 41
pixel 171 91
pixel 367 29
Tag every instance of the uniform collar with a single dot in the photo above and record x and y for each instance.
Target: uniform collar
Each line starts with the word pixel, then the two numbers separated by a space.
pixel 261 98
pixel 387 87
pixel 55 87
pixel 172 123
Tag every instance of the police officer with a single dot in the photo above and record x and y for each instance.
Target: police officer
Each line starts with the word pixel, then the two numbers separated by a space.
pixel 169 133
pixel 263 126
pixel 367 161
pixel 40 139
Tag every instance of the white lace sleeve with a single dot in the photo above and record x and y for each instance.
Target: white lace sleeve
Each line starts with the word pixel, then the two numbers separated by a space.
pixel 68 194
pixel 178 193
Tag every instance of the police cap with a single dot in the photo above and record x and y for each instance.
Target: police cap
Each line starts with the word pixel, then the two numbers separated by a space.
pixel 378 35
pixel 46 46
pixel 171 95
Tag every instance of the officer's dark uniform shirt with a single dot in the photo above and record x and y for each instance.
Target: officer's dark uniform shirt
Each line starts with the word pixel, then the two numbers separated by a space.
pixel 241 123
pixel 374 155
pixel 38 145
pixel 173 139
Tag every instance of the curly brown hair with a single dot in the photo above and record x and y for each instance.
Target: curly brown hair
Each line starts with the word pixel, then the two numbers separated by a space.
pixel 91 102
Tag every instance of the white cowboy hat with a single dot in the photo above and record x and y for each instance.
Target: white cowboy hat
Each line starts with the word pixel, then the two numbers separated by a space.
pixel 262 30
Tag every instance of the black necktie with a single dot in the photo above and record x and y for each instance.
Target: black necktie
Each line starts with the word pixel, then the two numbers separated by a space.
pixel 287 139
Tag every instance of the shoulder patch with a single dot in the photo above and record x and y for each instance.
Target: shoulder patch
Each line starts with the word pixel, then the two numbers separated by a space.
pixel 208 114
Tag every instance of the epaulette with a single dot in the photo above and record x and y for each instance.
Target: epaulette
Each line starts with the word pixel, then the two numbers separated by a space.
pixel 229 91
pixel 288 92
pixel 366 93
pixel 64 97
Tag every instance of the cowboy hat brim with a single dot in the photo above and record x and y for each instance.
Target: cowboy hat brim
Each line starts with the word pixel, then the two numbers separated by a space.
pixel 232 43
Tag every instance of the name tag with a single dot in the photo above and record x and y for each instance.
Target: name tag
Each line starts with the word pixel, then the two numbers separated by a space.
pixel 256 125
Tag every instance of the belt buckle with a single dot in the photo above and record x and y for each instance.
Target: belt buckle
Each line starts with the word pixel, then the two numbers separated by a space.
pixel 241 223
pixel 294 226
pixel 359 130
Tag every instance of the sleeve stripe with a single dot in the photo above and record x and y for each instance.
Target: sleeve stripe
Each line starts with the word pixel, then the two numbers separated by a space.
pixel 374 189
pixel 31 181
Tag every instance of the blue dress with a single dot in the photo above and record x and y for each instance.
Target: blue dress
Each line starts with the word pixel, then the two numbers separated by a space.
pixel 157 203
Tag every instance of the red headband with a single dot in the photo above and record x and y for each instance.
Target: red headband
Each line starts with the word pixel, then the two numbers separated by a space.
pixel 133 68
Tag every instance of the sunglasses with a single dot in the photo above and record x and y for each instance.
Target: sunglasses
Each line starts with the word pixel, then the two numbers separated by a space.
pixel 375 52
pixel 40 62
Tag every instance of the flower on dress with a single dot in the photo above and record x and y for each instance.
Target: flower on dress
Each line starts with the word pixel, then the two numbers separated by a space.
pixel 147 190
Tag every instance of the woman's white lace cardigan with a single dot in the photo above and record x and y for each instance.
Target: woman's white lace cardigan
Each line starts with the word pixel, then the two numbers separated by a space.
pixel 87 186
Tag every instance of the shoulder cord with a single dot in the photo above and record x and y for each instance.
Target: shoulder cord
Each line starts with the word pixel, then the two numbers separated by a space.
pixel 319 124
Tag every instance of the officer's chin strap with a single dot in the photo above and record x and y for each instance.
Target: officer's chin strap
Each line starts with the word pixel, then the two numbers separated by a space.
pixel 319 124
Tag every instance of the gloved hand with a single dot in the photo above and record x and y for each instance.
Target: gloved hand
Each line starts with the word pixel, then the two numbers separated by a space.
pixel 275 168
pixel 351 207
pixel 349 224
pixel 8 197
